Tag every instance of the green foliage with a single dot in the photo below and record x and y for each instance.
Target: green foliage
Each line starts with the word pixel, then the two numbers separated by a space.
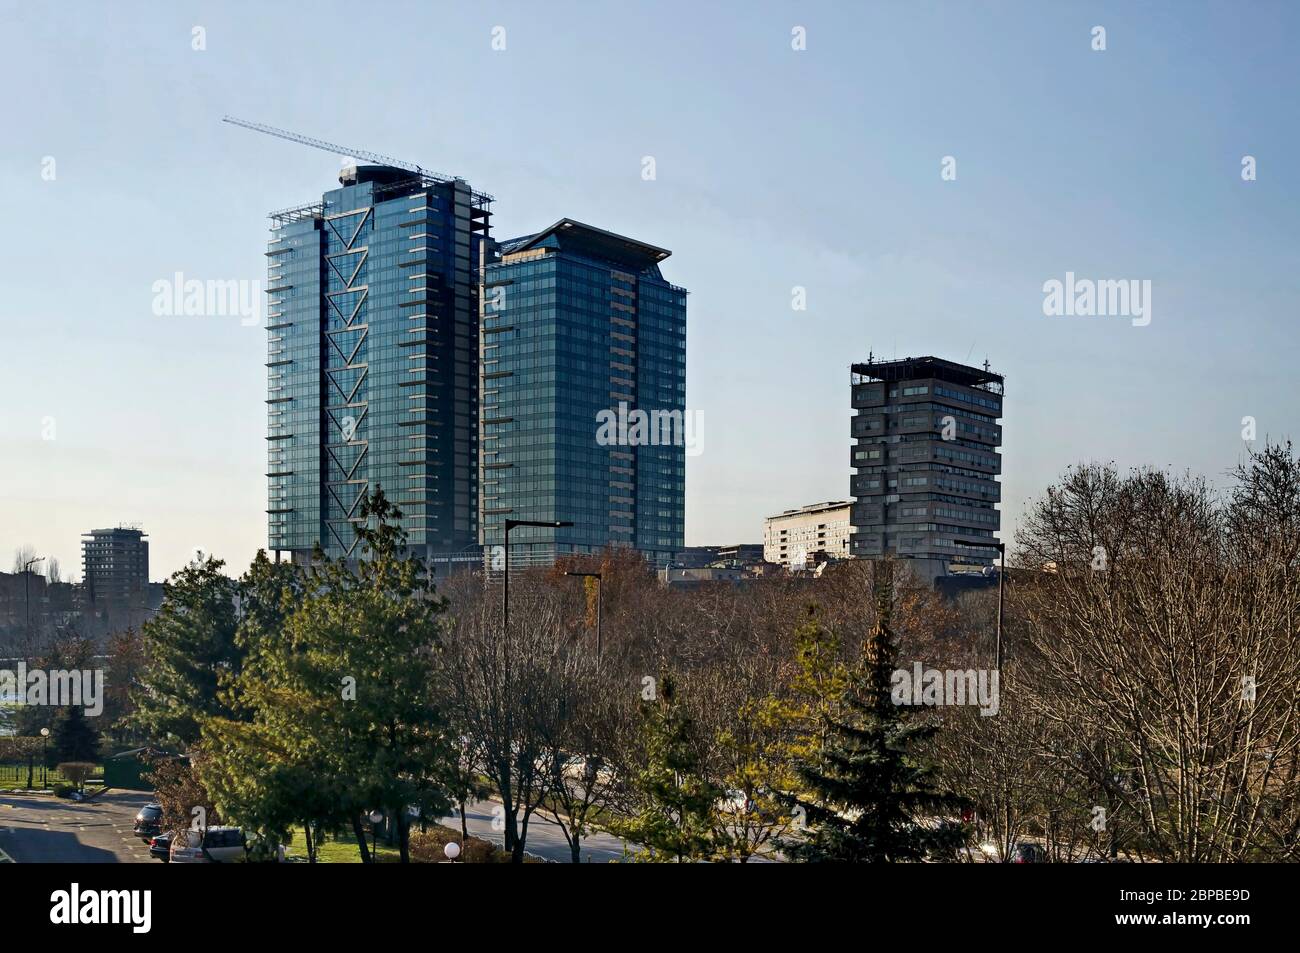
pixel 338 690
pixel 755 754
pixel 675 814
pixel 867 793
pixel 72 738
pixel 190 650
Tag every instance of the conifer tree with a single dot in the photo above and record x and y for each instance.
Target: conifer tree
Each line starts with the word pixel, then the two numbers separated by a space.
pixel 865 790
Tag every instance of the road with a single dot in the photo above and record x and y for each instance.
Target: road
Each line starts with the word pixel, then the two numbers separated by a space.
pixel 45 829
pixel 545 839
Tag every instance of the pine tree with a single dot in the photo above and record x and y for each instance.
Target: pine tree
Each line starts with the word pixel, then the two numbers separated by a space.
pixel 865 788
pixel 72 738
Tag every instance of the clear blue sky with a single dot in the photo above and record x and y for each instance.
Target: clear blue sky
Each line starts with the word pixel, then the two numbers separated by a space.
pixel 775 168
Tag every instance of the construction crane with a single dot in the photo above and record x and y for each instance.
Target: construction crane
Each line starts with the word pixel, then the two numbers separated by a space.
pixel 336 149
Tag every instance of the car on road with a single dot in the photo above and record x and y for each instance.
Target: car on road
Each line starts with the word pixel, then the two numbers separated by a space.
pixel 148 822
pixel 160 847
pixel 216 845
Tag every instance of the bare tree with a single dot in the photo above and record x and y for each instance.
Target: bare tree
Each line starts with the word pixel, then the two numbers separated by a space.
pixel 23 555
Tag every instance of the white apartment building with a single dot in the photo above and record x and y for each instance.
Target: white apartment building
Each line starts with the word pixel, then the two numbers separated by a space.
pixel 793 538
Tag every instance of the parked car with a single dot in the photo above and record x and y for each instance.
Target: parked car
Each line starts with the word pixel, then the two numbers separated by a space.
pixel 160 847
pixel 216 845
pixel 1029 853
pixel 148 822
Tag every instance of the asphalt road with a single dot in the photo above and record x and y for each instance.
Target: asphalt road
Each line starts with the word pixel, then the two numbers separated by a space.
pixel 545 838
pixel 49 830
pixel 45 829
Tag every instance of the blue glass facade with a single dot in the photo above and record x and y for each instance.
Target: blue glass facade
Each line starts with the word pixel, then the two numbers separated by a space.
pixel 579 328
pixel 372 361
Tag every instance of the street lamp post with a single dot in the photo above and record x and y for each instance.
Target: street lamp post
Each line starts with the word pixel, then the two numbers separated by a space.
pixel 1001 547
pixel 505 589
pixel 600 596
pixel 45 759
pixel 27 587
pixel 375 818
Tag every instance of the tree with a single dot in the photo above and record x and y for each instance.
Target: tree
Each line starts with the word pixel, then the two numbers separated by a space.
pixel 190 652
pixel 581 747
pixel 867 790
pixel 185 802
pixel 72 738
pixel 675 807
pixel 22 556
pixel 1169 669
pixel 508 693
pixel 756 755
pixel 337 714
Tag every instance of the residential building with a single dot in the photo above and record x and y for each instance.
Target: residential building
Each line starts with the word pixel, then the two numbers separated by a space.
pixel 926 434
pixel 115 568
pixel 372 362
pixel 795 538
pixel 583 396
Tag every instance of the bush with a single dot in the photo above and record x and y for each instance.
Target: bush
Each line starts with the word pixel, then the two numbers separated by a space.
pixel 78 772
pixel 427 848
pixel 65 790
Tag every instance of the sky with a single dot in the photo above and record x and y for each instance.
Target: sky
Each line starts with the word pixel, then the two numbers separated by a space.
pixel 775 168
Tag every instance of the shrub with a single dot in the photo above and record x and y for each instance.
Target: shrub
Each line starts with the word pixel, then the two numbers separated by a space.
pixel 78 772
pixel 427 848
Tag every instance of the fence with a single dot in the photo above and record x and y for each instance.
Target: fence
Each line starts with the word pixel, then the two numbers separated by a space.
pixel 15 776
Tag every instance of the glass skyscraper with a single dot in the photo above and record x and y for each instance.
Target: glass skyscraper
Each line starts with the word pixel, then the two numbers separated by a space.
pixel 372 362
pixel 583 396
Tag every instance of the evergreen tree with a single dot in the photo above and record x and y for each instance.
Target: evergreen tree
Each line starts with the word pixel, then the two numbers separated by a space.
pixel 189 650
pixel 72 738
pixel 341 697
pixel 676 807
pixel 865 788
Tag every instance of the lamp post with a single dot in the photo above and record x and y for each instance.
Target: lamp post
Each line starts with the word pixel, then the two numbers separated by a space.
pixel 1001 547
pixel 505 589
pixel 375 817
pixel 27 587
pixel 45 759
pixel 599 599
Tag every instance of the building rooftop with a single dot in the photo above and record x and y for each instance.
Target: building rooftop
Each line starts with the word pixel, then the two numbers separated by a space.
pixel 812 508
pixel 587 239
pixel 921 368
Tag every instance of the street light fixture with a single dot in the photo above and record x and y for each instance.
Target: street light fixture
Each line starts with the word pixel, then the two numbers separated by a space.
pixel 375 817
pixel 505 589
pixel 600 590
pixel 45 759
pixel 1001 547
pixel 27 587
